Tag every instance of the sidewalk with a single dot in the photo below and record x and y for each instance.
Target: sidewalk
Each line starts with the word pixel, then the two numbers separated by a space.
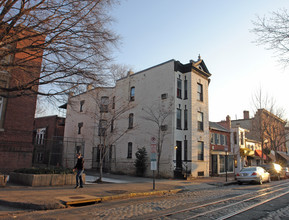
pixel 115 187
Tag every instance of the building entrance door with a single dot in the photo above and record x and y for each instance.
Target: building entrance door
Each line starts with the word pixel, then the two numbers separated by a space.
pixel 214 165
pixel 179 163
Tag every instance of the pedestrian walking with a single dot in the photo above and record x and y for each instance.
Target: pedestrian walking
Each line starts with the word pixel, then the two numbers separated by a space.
pixel 79 167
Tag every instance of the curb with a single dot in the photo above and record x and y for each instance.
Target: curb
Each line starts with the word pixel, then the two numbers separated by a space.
pixel 59 205
pixel 132 195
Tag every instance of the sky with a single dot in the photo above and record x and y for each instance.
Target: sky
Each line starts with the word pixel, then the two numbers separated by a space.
pixel 155 31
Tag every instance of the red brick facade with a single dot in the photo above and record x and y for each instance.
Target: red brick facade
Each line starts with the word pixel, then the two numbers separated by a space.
pixel 48 140
pixel 16 127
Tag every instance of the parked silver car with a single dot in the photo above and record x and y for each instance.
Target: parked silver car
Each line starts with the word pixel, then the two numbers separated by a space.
pixel 253 174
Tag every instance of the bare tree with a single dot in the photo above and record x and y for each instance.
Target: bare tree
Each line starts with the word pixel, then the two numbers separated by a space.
pixel 118 71
pixel 268 125
pixel 158 114
pixel 107 131
pixel 71 37
pixel 274 33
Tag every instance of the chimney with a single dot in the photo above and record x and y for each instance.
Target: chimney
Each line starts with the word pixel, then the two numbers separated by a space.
pixel 70 94
pixel 88 87
pixel 130 72
pixel 246 114
pixel 228 120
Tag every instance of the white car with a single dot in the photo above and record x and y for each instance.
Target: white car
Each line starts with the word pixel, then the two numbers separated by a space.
pixel 253 174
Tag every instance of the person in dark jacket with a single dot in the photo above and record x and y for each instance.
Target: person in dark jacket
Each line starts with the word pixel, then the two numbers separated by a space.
pixel 80 168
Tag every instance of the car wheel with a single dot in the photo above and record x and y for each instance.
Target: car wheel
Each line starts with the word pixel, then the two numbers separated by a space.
pixel 240 183
pixel 260 181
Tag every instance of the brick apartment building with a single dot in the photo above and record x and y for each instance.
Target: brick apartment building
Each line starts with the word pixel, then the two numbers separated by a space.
pixel 17 113
pixel 48 140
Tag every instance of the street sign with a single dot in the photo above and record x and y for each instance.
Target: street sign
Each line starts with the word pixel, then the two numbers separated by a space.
pixel 153 148
pixel 153 140
pixel 153 156
pixel 153 165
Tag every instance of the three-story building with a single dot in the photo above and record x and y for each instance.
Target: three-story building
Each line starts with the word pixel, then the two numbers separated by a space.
pixel 166 105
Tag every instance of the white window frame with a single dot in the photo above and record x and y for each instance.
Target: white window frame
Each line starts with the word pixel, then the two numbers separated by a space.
pixel 1 106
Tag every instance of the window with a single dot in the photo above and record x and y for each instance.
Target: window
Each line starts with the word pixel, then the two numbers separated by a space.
pixel 235 137
pixel 179 88
pixel 2 111
pixel 200 121
pixel 113 102
pixel 110 151
pixel 1 106
pixel 80 125
pixel 164 96
pixel 200 150
pixel 104 104
pixel 185 119
pixel 129 150
pixel 112 125
pixel 132 93
pixel 222 164
pixel 39 157
pixel 201 173
pixel 78 150
pixel 200 92
pixel 164 127
pixel 179 118
pixel 186 89
pixel 98 152
pixel 40 134
pixel 130 121
pixel 102 127
pixel 212 138
pixel 81 106
pixel 242 138
pixel 229 163
pixel 185 150
pixel 217 139
pixel 222 139
pixel 3 83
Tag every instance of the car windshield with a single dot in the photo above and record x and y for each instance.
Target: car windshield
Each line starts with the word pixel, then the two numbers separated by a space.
pixel 248 169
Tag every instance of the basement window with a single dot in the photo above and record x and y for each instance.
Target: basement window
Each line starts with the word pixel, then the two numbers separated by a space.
pixel 201 173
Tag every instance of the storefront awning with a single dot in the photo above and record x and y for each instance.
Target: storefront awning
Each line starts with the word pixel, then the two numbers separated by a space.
pixel 246 152
pixel 259 154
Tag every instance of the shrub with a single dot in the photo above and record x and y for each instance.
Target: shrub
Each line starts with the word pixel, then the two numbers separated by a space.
pixel 35 170
pixel 140 162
